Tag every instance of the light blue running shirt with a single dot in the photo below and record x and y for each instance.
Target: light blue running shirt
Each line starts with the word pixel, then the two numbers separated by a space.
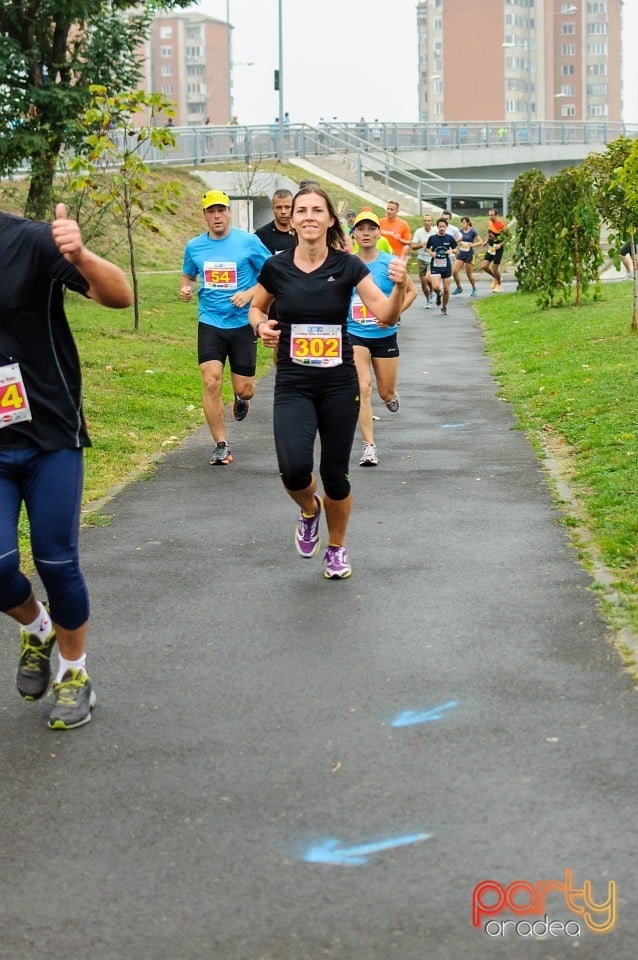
pixel 360 322
pixel 224 267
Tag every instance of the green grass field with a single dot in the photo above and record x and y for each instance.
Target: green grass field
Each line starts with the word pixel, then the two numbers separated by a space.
pixel 571 377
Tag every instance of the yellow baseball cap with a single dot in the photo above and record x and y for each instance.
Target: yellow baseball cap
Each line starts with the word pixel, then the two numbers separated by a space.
pixel 366 216
pixel 215 198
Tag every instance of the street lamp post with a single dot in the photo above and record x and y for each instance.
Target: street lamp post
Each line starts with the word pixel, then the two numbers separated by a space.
pixel 280 131
pixel 230 62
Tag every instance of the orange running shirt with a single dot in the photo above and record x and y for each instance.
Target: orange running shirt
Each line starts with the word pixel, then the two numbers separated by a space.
pixel 392 230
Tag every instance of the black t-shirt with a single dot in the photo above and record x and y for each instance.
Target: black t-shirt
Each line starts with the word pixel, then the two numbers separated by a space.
pixel 276 240
pixel 34 332
pixel 441 247
pixel 322 296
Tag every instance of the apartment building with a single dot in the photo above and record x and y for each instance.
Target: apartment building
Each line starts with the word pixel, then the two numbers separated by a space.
pixel 189 61
pixel 520 60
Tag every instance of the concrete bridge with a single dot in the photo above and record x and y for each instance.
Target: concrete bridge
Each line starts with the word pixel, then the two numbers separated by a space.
pixel 471 165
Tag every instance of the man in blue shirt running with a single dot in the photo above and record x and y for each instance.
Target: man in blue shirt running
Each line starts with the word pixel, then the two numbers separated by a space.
pixel 226 262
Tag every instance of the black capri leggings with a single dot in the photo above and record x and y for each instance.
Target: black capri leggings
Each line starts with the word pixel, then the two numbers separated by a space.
pixel 314 401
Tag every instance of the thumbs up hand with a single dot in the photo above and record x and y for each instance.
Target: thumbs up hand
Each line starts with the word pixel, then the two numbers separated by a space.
pixel 397 270
pixel 66 234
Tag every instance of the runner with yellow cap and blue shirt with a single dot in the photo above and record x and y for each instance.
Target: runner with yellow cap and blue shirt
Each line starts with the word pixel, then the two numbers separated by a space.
pixel 223 264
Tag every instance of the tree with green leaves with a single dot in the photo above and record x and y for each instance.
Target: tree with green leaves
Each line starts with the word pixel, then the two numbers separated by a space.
pixel 614 173
pixel 52 51
pixel 524 200
pixel 562 250
pixel 112 167
pixel 626 180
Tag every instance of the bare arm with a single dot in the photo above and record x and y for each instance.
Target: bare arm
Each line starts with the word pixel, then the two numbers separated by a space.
pixel 187 287
pixel 385 309
pixel 242 297
pixel 410 293
pixel 107 283
pixel 258 316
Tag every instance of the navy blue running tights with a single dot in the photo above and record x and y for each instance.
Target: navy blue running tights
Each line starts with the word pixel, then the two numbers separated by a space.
pixel 50 486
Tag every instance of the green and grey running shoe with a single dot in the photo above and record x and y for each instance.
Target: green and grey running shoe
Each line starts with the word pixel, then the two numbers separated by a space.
pixel 34 668
pixel 74 701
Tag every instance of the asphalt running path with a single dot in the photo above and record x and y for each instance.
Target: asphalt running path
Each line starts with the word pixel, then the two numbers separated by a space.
pixel 286 768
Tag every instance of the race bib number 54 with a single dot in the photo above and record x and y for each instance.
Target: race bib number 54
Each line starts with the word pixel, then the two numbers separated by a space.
pixel 220 276
pixel 14 405
pixel 316 344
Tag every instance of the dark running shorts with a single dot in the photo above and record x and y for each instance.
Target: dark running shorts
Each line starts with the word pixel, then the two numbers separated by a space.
pixel 237 345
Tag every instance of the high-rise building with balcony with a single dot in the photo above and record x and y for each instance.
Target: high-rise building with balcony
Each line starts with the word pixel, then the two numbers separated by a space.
pixel 189 61
pixel 520 60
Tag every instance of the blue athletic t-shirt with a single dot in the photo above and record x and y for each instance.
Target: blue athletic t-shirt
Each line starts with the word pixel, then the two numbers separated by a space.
pixel 361 323
pixel 224 267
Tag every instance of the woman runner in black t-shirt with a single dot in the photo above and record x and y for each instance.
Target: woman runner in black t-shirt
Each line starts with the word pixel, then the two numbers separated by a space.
pixel 316 386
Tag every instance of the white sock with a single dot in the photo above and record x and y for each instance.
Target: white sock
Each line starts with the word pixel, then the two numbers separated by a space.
pixel 64 665
pixel 41 626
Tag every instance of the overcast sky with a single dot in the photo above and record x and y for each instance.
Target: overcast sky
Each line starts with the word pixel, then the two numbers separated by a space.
pixel 325 39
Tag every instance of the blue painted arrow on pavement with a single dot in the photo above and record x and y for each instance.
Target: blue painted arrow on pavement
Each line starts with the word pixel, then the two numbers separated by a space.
pixel 330 850
pixel 410 717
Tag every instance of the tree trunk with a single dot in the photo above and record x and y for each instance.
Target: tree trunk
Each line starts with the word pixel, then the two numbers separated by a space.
pixel 39 203
pixel 577 269
pixel 136 296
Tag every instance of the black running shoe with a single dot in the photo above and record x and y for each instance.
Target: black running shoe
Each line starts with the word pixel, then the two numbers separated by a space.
pixel 34 668
pixel 74 701
pixel 240 408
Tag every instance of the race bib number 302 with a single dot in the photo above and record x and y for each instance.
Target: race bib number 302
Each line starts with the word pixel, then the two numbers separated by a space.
pixel 220 276
pixel 14 405
pixel 316 344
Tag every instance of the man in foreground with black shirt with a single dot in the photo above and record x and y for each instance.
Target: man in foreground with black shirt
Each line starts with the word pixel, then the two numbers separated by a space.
pixel 42 436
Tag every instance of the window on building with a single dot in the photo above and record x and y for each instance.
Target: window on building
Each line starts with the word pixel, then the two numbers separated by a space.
pixel 597 69
pixel 167 89
pixel 568 90
pixel 166 33
pixel 166 51
pixel 597 49
pixel 167 70
pixel 597 89
pixel 568 50
pixel 597 110
pixel 568 110
pixel 596 28
pixel 568 70
pixel 600 7
pixel 567 29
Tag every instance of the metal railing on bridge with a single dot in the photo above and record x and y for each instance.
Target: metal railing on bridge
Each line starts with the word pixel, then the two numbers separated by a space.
pixel 381 150
pixel 209 144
